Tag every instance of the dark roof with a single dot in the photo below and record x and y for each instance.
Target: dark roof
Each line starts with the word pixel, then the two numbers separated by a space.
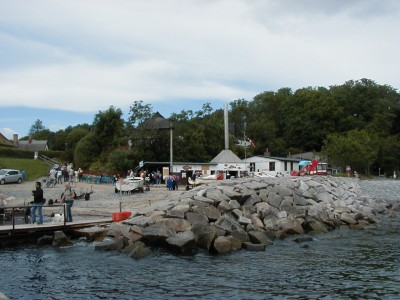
pixel 157 122
pixel 33 145
pixel 294 159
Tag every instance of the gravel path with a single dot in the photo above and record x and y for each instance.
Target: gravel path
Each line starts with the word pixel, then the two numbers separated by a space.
pixel 103 201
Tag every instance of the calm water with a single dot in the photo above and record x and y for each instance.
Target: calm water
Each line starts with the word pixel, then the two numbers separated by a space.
pixel 342 264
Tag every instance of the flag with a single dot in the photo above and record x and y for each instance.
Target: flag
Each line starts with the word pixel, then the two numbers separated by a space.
pixel 251 143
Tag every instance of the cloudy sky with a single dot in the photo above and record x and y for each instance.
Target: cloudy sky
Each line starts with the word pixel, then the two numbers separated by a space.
pixel 63 61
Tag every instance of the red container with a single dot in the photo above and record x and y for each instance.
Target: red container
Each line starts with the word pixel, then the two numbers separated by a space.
pixel 120 216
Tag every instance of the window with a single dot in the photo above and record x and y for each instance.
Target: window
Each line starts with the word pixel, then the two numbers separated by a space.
pixel 272 166
pixel 252 167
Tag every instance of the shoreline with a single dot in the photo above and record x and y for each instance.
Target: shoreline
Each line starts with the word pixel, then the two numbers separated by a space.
pixel 104 201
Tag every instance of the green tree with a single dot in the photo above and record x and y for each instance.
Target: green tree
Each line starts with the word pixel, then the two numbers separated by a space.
pixel 310 115
pixel 36 127
pixel 108 127
pixel 139 113
pixel 263 122
pixel 238 118
pixel 87 151
pixel 121 160
pixel 356 148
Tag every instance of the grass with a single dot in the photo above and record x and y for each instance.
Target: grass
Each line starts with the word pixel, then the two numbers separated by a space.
pixel 34 168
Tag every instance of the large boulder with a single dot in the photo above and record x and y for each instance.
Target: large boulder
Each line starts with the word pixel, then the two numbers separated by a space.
pixel 183 243
pixel 179 225
pixel 157 234
pixel 204 235
pixel 60 239
pixel 91 234
pixel 110 244
pixel 259 237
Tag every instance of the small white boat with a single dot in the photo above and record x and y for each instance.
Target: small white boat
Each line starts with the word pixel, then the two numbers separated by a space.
pixel 262 174
pixel 130 184
pixel 202 180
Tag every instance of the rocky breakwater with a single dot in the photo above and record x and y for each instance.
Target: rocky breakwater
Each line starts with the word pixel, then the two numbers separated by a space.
pixel 225 216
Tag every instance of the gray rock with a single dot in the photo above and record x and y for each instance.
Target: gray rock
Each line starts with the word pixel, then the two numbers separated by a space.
pixel 254 247
pixel 287 204
pixel 234 204
pixel 183 243
pixel 241 235
pixel 141 221
pixel 228 224
pixel 224 206
pixel 274 200
pixel 156 234
pixel 258 237
pixel 195 218
pixel 60 239
pixel 204 235
pixel 284 191
pixel 346 218
pixel 216 195
pixel 222 245
pixel 110 244
pixel 237 213
pixel 244 221
pixel 92 233
pixel 299 200
pixel 212 213
pixel 139 250
pixel 179 225
pixel 256 221
pixel 45 240
pixel 252 200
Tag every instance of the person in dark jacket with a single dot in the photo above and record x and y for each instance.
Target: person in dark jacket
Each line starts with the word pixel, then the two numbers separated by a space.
pixel 38 202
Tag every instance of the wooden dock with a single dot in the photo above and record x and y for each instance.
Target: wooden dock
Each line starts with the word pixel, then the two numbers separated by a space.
pixel 25 233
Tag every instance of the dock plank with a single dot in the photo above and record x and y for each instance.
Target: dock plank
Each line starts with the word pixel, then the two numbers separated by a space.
pixel 6 230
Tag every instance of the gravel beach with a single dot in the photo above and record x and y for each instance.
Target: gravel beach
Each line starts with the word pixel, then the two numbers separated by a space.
pixel 104 201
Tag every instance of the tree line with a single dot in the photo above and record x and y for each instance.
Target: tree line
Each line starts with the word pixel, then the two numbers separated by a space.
pixel 356 123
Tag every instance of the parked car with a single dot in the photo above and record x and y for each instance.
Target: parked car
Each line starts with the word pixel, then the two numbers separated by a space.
pixel 9 175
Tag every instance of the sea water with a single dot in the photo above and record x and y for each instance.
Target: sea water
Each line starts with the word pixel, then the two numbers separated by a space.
pixel 341 264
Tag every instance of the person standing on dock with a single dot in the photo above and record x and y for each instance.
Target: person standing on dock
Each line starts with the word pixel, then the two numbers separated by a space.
pixel 38 202
pixel 68 198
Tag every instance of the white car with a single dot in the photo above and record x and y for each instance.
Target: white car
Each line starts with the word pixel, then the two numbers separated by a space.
pixel 9 175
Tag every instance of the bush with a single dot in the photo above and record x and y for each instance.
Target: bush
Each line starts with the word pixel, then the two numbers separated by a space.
pixel 12 152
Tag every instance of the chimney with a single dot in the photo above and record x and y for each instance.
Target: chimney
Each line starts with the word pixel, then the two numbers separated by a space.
pixel 15 140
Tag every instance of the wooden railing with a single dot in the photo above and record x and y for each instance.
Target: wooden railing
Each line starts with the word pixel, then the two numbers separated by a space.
pixel 8 213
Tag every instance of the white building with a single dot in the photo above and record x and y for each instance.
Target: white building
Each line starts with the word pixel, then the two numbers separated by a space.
pixel 272 165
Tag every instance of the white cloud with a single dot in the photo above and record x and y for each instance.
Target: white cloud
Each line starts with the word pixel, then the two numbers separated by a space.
pixel 8 133
pixel 87 55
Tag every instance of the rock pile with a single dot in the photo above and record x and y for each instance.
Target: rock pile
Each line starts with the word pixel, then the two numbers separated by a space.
pixel 224 216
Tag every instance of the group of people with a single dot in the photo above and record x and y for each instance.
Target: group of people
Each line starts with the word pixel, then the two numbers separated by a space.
pixel 172 182
pixel 67 197
pixel 64 173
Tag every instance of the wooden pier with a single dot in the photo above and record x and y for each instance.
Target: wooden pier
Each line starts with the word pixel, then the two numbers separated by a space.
pixel 18 232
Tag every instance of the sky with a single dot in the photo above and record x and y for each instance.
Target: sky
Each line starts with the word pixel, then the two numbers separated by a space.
pixel 63 61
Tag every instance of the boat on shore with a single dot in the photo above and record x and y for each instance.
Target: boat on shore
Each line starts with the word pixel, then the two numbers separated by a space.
pixel 129 185
pixel 204 179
